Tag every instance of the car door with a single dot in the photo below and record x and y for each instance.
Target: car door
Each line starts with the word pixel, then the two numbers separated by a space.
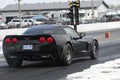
pixel 79 44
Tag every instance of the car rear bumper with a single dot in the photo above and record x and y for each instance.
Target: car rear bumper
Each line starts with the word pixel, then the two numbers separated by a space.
pixel 37 53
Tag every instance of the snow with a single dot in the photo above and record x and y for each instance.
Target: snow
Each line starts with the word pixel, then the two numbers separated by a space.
pixel 98 26
pixel 109 70
pixel 5 32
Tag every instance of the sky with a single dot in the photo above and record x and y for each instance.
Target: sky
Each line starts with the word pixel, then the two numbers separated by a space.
pixel 3 3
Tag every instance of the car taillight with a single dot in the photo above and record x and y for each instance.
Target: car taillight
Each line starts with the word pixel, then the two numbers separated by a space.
pixel 49 39
pixel 7 40
pixel 42 40
pixel 14 40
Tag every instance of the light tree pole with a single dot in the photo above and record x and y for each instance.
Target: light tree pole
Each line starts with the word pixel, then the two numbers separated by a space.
pixel 19 10
pixel 92 11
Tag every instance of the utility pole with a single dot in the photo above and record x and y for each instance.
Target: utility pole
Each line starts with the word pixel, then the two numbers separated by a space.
pixel 92 11
pixel 19 10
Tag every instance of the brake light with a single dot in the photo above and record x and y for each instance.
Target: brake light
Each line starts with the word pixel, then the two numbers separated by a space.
pixel 49 39
pixel 14 40
pixel 7 40
pixel 42 40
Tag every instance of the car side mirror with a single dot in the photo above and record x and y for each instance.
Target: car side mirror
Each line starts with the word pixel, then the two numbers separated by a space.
pixel 82 35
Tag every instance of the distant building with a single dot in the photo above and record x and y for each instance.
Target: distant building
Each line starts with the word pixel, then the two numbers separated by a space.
pixel 85 11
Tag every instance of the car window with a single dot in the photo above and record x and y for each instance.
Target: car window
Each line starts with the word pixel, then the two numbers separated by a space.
pixel 41 19
pixel 71 32
pixel 15 21
pixel 45 30
pixel 25 20
pixel 30 20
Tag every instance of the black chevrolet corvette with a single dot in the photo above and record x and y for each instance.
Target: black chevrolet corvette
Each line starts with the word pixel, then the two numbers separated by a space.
pixel 48 42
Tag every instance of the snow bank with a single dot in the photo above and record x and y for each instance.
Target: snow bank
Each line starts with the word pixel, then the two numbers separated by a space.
pixel 5 32
pixel 107 71
pixel 98 26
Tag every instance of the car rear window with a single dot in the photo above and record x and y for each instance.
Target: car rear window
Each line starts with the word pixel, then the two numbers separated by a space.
pixel 15 20
pixel 45 30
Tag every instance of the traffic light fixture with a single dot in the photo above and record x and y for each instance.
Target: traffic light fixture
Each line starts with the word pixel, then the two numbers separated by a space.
pixel 78 3
pixel 71 15
pixel 70 3
pixel 74 12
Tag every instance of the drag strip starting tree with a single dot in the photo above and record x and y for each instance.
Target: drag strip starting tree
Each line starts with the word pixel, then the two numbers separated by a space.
pixel 74 13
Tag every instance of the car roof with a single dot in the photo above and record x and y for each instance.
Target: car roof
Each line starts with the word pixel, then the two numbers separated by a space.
pixel 48 26
pixel 27 19
pixel 45 27
pixel 15 19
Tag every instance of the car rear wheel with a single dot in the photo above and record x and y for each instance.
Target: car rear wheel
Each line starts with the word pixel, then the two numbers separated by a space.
pixel 66 55
pixel 94 50
pixel 14 62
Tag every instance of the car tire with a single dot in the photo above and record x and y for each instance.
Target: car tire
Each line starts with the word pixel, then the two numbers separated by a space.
pixel 66 55
pixel 94 50
pixel 14 62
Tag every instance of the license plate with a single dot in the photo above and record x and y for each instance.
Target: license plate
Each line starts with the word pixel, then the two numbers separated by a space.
pixel 27 47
